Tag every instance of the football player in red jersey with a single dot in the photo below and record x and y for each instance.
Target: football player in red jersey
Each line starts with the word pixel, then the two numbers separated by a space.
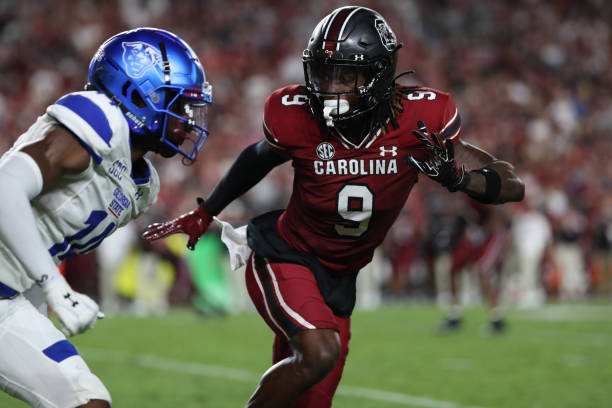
pixel 357 143
pixel 482 247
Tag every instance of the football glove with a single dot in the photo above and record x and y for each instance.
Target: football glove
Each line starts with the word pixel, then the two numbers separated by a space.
pixel 76 312
pixel 441 166
pixel 194 224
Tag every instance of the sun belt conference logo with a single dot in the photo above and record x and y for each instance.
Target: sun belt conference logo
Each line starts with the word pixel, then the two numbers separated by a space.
pixel 139 57
pixel 386 35
pixel 325 151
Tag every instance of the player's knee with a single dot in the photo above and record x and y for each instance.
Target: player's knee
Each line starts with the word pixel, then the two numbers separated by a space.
pixel 322 360
pixel 319 355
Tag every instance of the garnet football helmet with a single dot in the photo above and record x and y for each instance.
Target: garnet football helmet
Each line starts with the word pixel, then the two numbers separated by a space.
pixel 352 51
pixel 153 76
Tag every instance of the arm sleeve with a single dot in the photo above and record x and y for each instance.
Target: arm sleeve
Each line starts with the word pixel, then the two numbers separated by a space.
pixel 21 180
pixel 250 167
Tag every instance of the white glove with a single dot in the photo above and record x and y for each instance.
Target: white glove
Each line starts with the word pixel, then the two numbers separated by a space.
pixel 76 312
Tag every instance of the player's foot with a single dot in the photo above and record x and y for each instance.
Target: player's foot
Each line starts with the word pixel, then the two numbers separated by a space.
pixel 496 327
pixel 449 325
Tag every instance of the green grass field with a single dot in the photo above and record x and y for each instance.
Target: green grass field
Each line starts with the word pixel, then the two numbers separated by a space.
pixel 557 356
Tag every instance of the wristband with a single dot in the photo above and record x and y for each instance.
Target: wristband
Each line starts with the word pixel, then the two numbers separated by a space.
pixel 202 211
pixel 493 186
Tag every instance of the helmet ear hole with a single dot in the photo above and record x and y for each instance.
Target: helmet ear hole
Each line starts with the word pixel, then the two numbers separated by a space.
pixel 137 100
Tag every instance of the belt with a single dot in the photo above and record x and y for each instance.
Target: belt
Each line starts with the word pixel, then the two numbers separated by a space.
pixel 6 292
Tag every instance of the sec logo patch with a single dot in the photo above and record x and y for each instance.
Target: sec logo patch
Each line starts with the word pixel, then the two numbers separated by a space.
pixel 325 151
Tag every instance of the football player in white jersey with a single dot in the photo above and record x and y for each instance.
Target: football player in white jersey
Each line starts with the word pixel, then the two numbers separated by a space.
pixel 75 176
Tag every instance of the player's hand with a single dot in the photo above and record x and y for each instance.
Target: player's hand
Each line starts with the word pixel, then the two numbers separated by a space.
pixel 194 224
pixel 441 165
pixel 76 312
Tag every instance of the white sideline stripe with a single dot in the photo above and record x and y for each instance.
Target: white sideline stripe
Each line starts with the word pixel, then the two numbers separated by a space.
pixel 167 364
pixel 396 397
pixel 183 367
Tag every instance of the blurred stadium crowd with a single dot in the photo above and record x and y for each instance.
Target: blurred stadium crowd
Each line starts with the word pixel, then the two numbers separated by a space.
pixel 531 79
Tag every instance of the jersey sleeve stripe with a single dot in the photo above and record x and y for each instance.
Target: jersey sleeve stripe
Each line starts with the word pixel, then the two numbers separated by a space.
pixel 450 122
pixel 6 291
pixel 452 130
pixel 270 138
pixel 90 113
pixel 60 351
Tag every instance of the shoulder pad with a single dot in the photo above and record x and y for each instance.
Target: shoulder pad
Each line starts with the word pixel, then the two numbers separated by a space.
pixel 285 110
pixel 437 109
pixel 94 119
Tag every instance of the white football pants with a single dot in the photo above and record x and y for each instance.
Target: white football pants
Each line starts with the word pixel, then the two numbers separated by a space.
pixel 38 365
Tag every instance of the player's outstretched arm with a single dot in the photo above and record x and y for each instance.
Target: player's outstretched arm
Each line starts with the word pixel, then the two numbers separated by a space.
pixel 23 175
pixel 465 167
pixel 250 167
pixel 492 181
pixel 194 224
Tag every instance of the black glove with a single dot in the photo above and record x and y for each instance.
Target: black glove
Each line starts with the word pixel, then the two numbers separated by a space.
pixel 441 165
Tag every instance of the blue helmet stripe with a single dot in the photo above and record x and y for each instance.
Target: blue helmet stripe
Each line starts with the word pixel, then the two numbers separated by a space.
pixel 60 351
pixel 90 113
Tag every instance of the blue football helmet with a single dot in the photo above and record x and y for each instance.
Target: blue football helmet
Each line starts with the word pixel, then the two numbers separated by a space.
pixel 159 84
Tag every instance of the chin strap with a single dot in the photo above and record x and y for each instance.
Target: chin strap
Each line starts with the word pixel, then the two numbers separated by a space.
pixel 128 113
pixel 409 72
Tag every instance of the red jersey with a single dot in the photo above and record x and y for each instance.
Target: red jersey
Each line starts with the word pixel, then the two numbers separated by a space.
pixel 344 200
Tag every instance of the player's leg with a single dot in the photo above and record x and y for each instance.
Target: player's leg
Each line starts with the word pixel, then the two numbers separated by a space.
pixel 41 367
pixel 460 259
pixel 488 263
pixel 489 284
pixel 321 394
pixel 308 346
pixel 314 356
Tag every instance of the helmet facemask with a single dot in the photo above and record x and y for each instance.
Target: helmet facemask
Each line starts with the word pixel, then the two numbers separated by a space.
pixel 337 87
pixel 185 123
pixel 343 95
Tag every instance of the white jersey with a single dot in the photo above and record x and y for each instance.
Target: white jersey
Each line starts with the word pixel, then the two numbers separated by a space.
pixel 83 209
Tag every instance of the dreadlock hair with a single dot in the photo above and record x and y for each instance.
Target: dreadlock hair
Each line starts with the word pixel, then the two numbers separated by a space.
pixel 387 111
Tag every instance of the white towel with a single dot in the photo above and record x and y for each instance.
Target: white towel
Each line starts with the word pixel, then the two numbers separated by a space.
pixel 235 239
